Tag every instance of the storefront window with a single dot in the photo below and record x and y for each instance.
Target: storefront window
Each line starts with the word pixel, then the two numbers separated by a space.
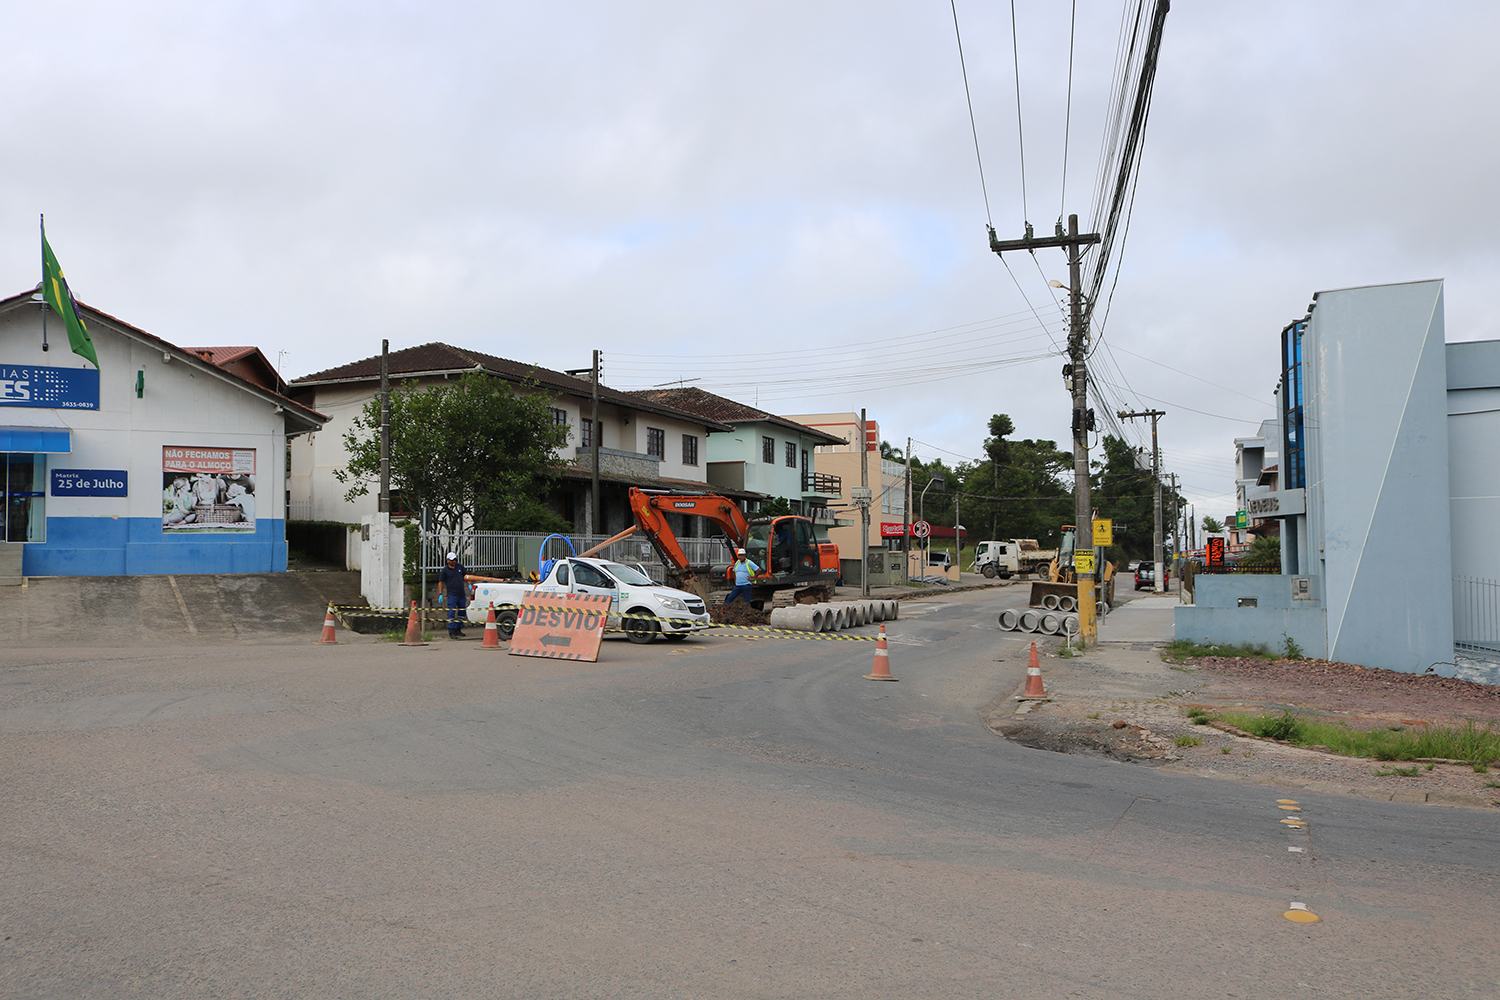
pixel 25 497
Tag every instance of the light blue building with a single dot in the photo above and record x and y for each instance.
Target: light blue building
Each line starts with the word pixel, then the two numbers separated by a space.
pixel 1387 493
pixel 763 453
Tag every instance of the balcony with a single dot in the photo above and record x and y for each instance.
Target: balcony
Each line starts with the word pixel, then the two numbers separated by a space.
pixel 821 484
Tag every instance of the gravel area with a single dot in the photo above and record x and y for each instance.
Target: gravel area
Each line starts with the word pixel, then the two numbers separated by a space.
pixel 1148 730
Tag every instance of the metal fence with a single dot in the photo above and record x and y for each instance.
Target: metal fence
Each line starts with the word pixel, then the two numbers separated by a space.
pixel 299 510
pixel 1476 615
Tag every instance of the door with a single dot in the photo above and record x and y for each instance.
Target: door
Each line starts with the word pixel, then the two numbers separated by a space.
pixel 25 479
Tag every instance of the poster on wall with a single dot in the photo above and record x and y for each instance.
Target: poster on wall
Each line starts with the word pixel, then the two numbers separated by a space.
pixel 207 489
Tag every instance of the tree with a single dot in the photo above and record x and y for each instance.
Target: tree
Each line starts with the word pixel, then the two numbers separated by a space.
pixel 1123 492
pixel 475 453
pixel 1264 553
pixel 1212 525
pixel 1019 491
pixel 774 507
pixel 890 454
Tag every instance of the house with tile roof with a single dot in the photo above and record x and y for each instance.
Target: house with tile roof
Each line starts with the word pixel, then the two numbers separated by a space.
pixel 763 452
pixel 642 442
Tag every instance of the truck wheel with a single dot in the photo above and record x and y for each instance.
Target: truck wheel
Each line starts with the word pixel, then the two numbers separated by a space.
pixel 988 571
pixel 505 624
pixel 640 630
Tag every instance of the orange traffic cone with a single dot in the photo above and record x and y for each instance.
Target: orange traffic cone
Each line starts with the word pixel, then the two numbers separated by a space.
pixel 328 623
pixel 1034 687
pixel 881 671
pixel 491 631
pixel 413 628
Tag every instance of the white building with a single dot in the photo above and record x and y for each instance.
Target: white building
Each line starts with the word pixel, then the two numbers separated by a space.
pixel 156 461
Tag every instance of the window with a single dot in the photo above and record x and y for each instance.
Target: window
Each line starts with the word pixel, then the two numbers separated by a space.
pixel 690 449
pixel 559 417
pixel 1293 444
pixel 586 433
pixel 791 454
pixel 24 478
pixel 656 442
pixel 768 450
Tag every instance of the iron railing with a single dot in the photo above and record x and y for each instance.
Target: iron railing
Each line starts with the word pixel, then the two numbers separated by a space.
pixel 822 484
pixel 1476 615
pixel 299 510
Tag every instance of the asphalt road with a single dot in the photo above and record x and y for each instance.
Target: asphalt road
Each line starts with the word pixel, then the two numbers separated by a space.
pixel 727 817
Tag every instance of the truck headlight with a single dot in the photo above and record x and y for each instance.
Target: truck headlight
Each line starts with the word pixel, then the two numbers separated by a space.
pixel 671 602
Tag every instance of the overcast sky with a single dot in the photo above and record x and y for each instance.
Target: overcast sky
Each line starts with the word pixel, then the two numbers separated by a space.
pixel 778 200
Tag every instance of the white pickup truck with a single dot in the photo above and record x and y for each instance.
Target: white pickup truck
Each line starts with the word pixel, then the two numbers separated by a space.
pixel 650 610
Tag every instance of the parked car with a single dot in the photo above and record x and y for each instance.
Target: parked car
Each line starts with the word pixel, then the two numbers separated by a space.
pixel 1145 576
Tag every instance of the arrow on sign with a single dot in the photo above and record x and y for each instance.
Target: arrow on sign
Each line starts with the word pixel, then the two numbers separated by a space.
pixel 557 640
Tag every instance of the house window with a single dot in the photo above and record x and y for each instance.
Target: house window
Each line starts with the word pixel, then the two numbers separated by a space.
pixel 690 449
pixel 791 454
pixel 656 443
pixel 559 417
pixel 768 450
pixel 586 433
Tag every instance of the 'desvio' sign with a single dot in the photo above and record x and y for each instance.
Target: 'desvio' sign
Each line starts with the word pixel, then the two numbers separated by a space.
pixel 560 626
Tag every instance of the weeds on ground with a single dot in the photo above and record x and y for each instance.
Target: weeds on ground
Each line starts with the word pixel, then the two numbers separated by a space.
pixel 1188 741
pixel 1199 717
pixel 1289 648
pixel 1472 743
pixel 1183 650
pixel 1095 715
pixel 1397 772
pixel 1225 751
pixel 1067 652
pixel 399 635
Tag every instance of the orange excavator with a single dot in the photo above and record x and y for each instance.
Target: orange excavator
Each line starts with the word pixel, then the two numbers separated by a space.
pixel 790 550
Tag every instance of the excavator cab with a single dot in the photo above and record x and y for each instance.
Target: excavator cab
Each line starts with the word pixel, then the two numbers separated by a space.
pixel 785 547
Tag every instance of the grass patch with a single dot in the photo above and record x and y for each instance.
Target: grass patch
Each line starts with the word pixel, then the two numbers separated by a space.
pixel 1199 717
pixel 1475 744
pixel 1183 650
pixel 1397 772
pixel 1188 741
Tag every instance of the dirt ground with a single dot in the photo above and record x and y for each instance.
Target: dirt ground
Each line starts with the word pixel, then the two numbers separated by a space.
pixel 1146 731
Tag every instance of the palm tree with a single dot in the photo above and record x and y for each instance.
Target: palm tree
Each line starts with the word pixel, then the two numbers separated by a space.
pixel 890 454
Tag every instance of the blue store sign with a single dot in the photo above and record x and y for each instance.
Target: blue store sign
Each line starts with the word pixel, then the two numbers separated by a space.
pixel 50 388
pixel 90 483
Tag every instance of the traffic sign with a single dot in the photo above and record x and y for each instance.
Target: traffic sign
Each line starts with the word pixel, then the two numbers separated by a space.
pixel 1083 561
pixel 1104 533
pixel 921 529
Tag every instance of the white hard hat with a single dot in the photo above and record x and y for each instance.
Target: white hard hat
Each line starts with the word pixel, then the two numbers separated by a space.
pixel 739 552
pixel 453 556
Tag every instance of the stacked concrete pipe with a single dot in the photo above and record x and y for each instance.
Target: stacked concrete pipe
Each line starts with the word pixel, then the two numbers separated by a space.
pixel 799 618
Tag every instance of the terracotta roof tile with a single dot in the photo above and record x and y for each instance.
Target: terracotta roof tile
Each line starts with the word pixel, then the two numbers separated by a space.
pixel 713 407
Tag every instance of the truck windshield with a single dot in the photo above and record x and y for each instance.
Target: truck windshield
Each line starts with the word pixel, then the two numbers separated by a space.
pixel 628 576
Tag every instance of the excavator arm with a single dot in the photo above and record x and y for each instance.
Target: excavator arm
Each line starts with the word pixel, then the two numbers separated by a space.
pixel 650 510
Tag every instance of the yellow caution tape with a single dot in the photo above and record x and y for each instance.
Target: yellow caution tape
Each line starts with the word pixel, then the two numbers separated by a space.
pixel 440 615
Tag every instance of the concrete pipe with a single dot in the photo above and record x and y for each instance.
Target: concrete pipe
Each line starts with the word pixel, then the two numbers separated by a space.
pixel 1029 621
pixel 1009 620
pixel 1101 609
pixel 833 619
pixel 1067 604
pixel 1049 602
pixel 872 613
pixel 877 611
pixel 858 615
pixel 799 618
pixel 1051 623
pixel 1070 625
pixel 892 610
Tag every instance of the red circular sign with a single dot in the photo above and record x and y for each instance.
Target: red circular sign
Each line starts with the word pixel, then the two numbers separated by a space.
pixel 921 529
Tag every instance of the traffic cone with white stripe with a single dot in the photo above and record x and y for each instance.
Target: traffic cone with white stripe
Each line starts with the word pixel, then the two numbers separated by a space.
pixel 881 671
pixel 1034 689
pixel 413 628
pixel 328 625
pixel 491 630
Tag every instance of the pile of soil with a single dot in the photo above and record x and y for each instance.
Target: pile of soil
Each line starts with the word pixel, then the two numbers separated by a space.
pixel 738 613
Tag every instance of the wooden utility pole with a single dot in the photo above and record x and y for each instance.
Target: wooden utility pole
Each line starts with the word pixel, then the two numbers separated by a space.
pixel 383 503
pixel 906 517
pixel 1075 375
pixel 597 525
pixel 1156 586
pixel 864 510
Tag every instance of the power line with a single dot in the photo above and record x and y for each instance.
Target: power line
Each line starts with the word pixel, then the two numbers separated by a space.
pixel 974 127
pixel 1015 50
pixel 1068 114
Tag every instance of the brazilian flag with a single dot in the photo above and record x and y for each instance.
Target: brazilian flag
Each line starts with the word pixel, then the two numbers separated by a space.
pixel 55 290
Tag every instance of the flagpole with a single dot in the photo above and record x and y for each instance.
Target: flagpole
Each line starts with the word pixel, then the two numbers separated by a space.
pixel 44 284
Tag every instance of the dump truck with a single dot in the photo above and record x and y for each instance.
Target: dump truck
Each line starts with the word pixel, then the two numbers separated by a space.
pixel 1010 557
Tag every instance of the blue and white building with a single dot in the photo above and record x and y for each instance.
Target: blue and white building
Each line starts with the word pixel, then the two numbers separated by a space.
pixel 1387 491
pixel 156 461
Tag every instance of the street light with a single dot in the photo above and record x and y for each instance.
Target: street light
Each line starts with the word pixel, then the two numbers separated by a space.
pixel 927 542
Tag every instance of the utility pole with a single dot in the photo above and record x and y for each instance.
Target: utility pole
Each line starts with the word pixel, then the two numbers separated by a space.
pixel 383 504
pixel 1075 376
pixel 1156 585
pixel 595 433
pixel 906 517
pixel 864 510
pixel 1176 518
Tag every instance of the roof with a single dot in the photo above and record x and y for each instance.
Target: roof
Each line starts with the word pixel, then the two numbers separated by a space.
pixel 247 362
pixel 222 355
pixel 712 407
pixel 649 483
pixel 445 359
pixel 299 416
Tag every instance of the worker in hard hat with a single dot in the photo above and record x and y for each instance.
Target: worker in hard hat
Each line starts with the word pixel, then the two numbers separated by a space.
pixel 742 570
